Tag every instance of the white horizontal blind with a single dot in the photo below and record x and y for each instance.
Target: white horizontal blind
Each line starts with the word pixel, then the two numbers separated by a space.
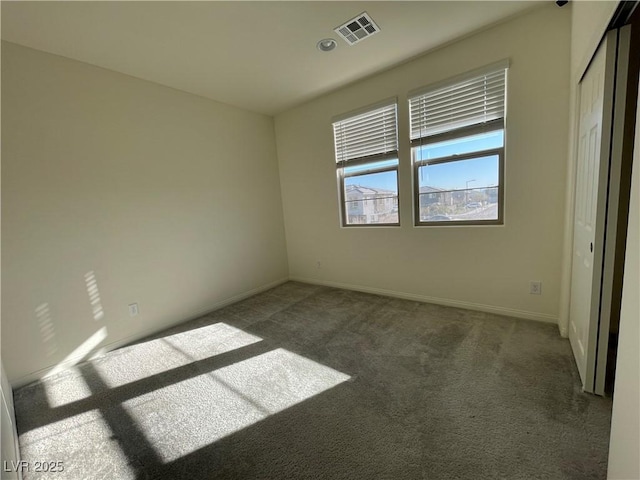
pixel 473 101
pixel 370 134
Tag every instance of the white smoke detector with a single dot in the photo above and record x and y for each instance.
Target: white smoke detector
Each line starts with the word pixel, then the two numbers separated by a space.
pixel 357 29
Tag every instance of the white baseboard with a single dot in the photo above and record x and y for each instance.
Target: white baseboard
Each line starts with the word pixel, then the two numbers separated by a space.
pixel 510 312
pixel 107 347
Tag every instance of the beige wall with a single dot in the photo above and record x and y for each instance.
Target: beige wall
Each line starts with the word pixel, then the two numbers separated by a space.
pixel 172 200
pixel 589 20
pixel 480 267
pixel 624 462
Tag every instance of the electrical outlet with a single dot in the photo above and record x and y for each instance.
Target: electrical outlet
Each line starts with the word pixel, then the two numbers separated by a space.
pixel 133 310
pixel 535 288
pixel 318 264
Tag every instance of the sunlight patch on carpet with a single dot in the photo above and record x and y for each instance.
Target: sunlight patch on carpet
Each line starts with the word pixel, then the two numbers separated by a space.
pixel 183 417
pixel 88 433
pixel 66 388
pixel 209 341
pixel 156 356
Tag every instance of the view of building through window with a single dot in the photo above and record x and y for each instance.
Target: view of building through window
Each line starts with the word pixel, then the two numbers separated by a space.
pixel 372 198
pixel 370 204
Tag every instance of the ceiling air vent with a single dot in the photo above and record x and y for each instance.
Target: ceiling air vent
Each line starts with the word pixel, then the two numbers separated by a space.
pixel 357 29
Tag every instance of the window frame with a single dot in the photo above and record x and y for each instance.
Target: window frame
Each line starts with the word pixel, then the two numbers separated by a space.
pixel 493 126
pixel 342 165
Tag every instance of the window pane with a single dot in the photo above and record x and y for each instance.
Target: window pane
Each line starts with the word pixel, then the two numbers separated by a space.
pixel 371 198
pixel 465 190
pixel 460 146
pixel 370 166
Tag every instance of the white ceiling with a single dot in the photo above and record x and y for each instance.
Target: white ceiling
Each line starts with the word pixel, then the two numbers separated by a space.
pixel 260 56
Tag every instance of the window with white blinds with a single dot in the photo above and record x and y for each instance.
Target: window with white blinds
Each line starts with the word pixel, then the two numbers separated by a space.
pixel 457 133
pixel 372 134
pixel 366 148
pixel 473 101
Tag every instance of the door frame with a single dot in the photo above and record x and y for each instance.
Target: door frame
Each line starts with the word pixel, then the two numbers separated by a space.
pixel 620 90
pixel 618 193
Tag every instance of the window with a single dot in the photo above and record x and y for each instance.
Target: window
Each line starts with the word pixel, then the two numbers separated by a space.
pixel 457 149
pixel 367 165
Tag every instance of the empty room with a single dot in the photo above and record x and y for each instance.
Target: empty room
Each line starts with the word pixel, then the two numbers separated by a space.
pixel 337 240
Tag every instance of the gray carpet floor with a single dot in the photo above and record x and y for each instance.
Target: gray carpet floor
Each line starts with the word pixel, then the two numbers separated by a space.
pixel 308 382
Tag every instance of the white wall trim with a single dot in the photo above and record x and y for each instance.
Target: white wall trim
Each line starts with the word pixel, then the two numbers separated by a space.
pixel 511 312
pixel 37 375
pixel 569 212
pixel 11 453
